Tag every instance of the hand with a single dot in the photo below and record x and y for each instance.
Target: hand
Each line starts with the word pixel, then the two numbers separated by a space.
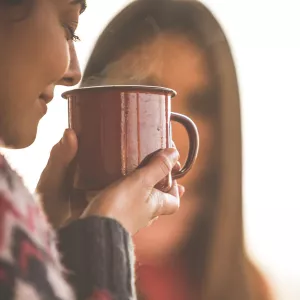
pixel 53 188
pixel 133 200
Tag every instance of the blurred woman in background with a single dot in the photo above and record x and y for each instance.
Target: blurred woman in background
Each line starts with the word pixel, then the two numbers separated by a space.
pixel 199 252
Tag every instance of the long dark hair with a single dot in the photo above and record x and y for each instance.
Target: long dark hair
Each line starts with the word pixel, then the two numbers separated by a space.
pixel 19 11
pixel 215 251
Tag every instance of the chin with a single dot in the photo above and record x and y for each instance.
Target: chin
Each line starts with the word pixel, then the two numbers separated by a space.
pixel 155 248
pixel 20 139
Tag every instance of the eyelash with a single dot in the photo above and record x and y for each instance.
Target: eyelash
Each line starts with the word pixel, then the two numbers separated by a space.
pixel 71 34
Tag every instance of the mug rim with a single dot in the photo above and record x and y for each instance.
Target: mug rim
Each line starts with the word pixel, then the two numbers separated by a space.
pixel 125 87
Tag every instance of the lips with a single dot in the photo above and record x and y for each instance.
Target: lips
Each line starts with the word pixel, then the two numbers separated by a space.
pixel 47 97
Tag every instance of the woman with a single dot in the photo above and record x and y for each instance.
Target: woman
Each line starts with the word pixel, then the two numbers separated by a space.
pixel 199 252
pixel 37 53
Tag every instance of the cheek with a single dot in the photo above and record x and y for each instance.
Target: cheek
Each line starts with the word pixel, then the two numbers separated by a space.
pixel 56 59
pixel 38 50
pixel 52 47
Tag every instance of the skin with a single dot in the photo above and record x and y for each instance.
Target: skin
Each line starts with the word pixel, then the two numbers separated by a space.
pixel 34 70
pixel 37 53
pixel 188 74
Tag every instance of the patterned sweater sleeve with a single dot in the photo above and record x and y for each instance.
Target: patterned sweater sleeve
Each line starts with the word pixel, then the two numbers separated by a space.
pixel 97 252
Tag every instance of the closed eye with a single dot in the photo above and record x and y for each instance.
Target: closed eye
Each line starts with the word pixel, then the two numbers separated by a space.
pixel 70 33
pixel 203 102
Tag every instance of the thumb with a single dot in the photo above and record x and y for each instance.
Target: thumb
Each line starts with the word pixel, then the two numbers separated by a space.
pixel 60 158
pixel 159 166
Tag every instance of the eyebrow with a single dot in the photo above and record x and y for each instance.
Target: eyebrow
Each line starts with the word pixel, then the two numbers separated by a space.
pixel 81 2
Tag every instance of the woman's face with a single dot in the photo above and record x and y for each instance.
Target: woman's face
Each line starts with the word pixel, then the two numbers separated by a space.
pixel 36 53
pixel 173 61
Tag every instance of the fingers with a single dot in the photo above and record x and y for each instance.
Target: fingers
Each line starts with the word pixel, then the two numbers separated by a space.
pixel 181 190
pixel 61 156
pixel 159 166
pixel 174 189
pixel 176 168
pixel 65 150
pixel 164 203
pixel 167 203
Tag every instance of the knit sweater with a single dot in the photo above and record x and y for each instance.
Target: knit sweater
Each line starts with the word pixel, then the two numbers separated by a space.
pixel 96 252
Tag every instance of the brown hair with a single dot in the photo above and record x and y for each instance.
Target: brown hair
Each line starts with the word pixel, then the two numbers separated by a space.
pixel 215 252
pixel 20 14
pixel 28 6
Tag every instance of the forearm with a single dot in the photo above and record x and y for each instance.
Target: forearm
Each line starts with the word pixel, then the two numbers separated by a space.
pixel 97 253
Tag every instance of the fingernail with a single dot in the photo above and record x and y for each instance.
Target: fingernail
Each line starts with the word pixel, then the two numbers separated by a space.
pixel 181 190
pixel 64 138
pixel 173 154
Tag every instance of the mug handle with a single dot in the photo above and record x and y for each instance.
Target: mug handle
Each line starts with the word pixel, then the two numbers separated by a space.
pixel 193 135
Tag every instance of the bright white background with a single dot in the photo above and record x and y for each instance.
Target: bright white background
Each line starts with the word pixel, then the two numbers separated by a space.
pixel 265 38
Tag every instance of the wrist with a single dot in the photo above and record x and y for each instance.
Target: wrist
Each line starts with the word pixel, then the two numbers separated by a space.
pixel 102 205
pixel 106 213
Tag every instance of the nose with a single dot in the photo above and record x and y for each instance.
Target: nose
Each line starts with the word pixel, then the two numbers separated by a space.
pixel 73 74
